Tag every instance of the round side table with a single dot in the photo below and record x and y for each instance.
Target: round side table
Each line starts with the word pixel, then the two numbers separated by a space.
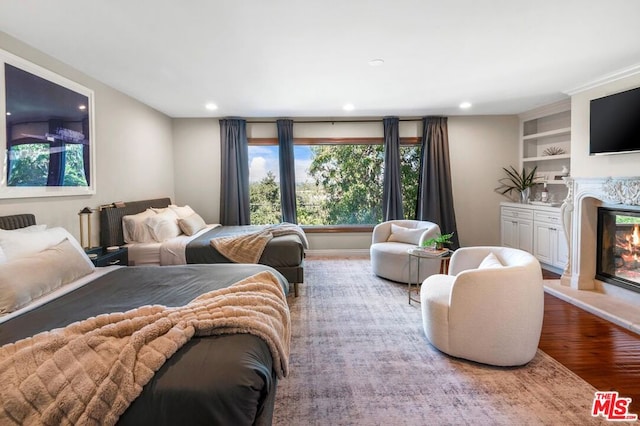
pixel 419 254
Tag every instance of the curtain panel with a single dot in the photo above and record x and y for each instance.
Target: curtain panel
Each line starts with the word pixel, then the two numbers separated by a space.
pixel 287 171
pixel 392 182
pixel 234 179
pixel 435 195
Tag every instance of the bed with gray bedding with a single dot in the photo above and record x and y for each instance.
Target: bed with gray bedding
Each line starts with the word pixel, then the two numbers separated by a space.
pixel 284 253
pixel 226 379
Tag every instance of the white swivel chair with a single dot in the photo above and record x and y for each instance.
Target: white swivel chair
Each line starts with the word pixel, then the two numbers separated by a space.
pixel 389 244
pixel 488 309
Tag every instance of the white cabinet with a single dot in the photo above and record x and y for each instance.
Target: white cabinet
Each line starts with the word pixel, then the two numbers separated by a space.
pixel 549 242
pixel 536 229
pixel 517 228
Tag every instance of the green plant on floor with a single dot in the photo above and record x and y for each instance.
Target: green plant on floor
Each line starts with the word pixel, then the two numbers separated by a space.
pixel 438 242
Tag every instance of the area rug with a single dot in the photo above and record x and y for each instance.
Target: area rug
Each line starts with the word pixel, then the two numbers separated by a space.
pixel 359 357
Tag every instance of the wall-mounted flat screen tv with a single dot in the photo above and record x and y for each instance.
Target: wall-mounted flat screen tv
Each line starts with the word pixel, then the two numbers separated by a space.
pixel 615 123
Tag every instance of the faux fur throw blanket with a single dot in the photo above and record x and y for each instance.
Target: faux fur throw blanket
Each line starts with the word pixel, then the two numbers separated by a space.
pixel 90 371
pixel 248 248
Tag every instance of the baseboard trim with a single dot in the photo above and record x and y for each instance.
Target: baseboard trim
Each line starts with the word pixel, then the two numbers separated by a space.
pixel 338 253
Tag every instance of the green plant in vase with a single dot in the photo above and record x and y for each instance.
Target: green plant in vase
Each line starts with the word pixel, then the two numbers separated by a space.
pixel 520 182
pixel 438 242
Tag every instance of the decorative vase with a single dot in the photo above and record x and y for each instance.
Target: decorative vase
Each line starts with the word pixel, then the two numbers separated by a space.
pixel 524 195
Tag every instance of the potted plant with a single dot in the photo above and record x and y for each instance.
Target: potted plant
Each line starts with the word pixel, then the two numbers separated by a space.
pixel 520 182
pixel 438 242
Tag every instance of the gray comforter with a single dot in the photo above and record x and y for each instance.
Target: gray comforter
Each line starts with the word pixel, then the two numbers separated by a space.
pixel 211 380
pixel 281 251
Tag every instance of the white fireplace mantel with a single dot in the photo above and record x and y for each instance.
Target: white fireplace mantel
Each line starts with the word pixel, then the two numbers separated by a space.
pixel 579 215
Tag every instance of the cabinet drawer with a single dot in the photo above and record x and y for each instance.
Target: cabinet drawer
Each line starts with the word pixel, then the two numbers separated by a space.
pixel 517 213
pixel 548 217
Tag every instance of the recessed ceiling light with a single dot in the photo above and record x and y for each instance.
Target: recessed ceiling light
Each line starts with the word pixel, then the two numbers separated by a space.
pixel 211 106
pixel 82 107
pixel 348 107
pixel 376 62
pixel 465 105
pixel 8 113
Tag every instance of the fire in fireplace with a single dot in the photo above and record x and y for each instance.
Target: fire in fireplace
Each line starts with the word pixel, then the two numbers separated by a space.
pixel 618 248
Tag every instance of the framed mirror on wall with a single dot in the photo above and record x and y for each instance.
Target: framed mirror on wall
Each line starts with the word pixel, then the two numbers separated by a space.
pixel 48 144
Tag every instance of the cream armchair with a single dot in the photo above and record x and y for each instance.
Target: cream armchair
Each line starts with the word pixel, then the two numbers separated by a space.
pixel 488 309
pixel 389 244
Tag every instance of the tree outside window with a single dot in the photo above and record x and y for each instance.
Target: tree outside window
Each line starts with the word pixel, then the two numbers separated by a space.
pixel 264 185
pixel 336 183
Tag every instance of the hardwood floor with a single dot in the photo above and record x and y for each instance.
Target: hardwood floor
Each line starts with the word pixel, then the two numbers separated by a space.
pixel 602 353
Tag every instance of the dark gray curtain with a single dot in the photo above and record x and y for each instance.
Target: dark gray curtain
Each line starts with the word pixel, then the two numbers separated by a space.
pixel 392 182
pixel 287 171
pixel 435 197
pixel 234 179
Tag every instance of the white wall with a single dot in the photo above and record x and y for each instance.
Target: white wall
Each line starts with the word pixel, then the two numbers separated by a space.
pixel 584 165
pixel 196 152
pixel 479 148
pixel 134 151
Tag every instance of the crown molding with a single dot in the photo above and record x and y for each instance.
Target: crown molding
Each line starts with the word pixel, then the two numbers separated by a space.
pixel 554 108
pixel 608 78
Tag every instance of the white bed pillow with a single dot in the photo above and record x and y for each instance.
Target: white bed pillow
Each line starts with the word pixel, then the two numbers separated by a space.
pixel 29 277
pixel 182 212
pixel 31 228
pixel 191 224
pixel 16 244
pixel 490 261
pixel 135 229
pixel 400 234
pixel 163 226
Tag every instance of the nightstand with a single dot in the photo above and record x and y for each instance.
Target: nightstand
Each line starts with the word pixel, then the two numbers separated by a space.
pixel 106 258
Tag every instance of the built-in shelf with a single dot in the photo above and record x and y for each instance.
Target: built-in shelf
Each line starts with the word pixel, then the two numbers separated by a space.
pixel 547 129
pixel 548 157
pixel 550 133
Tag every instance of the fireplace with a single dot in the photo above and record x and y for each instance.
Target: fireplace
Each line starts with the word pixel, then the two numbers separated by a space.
pixel 618 247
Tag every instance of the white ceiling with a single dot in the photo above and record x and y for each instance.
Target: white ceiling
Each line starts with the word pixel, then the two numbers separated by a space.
pixel 296 58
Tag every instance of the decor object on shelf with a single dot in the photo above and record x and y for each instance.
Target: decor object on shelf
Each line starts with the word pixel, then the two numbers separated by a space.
pixel 439 241
pixel 554 150
pixel 516 181
pixel 544 195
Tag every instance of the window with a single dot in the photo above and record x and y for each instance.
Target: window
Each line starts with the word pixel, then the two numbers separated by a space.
pixel 264 184
pixel 338 181
pixel 341 183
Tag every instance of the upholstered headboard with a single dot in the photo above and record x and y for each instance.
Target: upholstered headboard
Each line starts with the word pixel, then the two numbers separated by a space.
pixel 17 221
pixel 111 219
